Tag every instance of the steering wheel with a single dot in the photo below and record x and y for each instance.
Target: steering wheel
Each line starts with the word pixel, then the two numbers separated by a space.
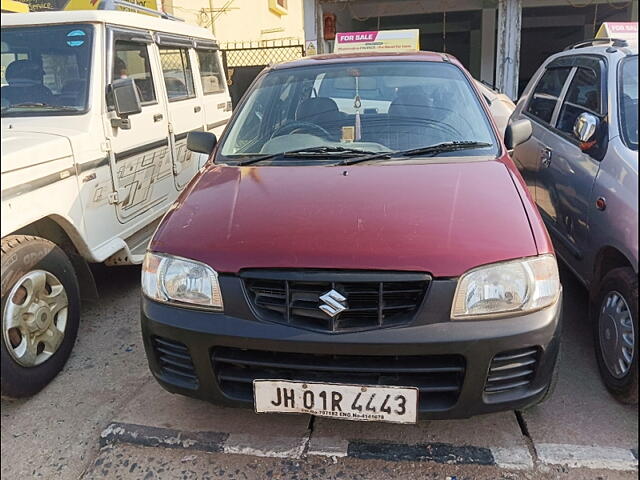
pixel 301 127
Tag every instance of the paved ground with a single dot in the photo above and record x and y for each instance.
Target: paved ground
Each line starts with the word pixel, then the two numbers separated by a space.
pixel 106 397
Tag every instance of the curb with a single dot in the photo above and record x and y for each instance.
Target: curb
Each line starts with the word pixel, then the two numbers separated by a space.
pixel 513 458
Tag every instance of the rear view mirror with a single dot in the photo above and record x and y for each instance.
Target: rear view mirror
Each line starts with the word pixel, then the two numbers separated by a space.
pixel 517 132
pixel 125 100
pixel 201 142
pixel 585 127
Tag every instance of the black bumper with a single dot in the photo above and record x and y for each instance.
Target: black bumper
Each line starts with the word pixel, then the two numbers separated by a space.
pixel 215 356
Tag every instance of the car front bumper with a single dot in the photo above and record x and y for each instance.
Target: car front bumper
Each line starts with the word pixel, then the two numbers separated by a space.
pixel 215 357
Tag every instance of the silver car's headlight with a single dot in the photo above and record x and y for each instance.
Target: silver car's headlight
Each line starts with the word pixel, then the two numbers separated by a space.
pixel 512 287
pixel 181 281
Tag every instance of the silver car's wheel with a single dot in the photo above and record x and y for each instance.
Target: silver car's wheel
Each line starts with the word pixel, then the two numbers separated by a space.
pixel 617 338
pixel 35 318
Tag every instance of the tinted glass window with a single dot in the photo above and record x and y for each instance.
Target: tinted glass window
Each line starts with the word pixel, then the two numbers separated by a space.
pixel 377 106
pixel 545 96
pixel 176 69
pixel 210 72
pixel 584 95
pixel 132 60
pixel 46 69
pixel 629 101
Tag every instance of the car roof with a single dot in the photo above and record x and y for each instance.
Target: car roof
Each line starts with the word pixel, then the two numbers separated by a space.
pixel 112 17
pixel 339 58
pixel 606 50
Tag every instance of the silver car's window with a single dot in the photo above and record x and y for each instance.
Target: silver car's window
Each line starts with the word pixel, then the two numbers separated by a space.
pixel 629 101
pixel 46 69
pixel 584 95
pixel 371 106
pixel 546 94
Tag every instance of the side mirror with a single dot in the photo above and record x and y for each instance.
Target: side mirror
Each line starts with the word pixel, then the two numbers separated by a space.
pixel 585 127
pixel 201 142
pixel 517 132
pixel 125 100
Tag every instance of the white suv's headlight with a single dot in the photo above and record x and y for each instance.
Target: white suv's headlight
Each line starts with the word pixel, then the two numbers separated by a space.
pixel 512 287
pixel 177 280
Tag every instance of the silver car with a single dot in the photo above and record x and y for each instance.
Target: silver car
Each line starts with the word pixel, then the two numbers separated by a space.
pixel 581 168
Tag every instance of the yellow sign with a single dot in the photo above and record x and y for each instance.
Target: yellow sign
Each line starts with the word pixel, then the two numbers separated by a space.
pixel 14 7
pixel 311 48
pixel 101 4
pixel 378 41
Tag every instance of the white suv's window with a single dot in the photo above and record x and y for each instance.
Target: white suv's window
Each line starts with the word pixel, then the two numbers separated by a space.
pixel 546 94
pixel 177 72
pixel 584 95
pixel 629 101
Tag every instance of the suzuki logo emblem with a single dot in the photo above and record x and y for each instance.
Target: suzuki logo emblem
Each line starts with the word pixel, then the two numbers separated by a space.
pixel 334 303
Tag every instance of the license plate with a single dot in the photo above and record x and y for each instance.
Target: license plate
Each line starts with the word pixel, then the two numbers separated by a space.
pixel 348 402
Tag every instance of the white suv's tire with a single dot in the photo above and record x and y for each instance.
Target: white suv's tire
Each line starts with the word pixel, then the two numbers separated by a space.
pixel 40 313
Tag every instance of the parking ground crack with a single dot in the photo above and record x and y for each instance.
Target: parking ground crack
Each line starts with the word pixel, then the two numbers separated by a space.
pixel 310 428
pixel 524 429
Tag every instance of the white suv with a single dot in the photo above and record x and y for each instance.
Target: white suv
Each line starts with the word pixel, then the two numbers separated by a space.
pixel 96 107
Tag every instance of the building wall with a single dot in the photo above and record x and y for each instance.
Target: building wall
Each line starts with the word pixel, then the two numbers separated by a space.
pixel 242 20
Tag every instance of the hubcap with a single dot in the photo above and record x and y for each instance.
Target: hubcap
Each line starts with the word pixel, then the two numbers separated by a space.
pixel 35 318
pixel 617 339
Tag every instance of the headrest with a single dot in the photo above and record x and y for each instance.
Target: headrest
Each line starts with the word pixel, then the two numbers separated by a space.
pixel 20 71
pixel 408 105
pixel 316 107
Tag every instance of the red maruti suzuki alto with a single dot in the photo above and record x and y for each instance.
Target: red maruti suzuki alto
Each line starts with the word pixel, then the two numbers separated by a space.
pixel 359 246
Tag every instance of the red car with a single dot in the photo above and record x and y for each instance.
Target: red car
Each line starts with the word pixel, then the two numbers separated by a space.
pixel 359 246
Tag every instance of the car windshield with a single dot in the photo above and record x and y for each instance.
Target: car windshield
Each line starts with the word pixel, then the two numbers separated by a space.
pixel 629 101
pixel 45 69
pixel 360 107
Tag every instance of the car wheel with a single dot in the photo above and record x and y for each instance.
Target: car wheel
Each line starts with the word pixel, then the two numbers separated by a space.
pixel 616 333
pixel 40 313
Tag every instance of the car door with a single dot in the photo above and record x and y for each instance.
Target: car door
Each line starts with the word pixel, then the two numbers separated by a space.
pixel 185 107
pixel 569 175
pixel 532 156
pixel 215 96
pixel 140 156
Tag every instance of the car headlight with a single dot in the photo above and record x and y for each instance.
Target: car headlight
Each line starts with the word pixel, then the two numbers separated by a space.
pixel 177 280
pixel 516 286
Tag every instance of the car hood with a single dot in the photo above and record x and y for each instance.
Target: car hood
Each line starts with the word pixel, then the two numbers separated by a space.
pixel 23 149
pixel 442 218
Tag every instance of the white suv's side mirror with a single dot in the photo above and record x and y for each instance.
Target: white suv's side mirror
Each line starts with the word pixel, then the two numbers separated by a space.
pixel 585 127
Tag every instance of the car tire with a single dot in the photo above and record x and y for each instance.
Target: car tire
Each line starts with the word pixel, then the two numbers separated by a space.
pixel 617 291
pixel 40 307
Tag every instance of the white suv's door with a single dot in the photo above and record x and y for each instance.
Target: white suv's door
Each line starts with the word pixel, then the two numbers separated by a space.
pixel 141 159
pixel 185 107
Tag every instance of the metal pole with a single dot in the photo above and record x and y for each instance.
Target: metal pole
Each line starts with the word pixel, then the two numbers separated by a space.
pixel 213 23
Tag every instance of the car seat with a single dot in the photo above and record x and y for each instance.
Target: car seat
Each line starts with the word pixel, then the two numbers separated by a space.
pixel 24 78
pixel 321 111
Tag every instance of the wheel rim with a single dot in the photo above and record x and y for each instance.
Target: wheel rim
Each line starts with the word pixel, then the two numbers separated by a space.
pixel 617 338
pixel 35 318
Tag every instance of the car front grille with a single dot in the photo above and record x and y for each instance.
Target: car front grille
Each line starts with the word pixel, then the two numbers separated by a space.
pixel 512 370
pixel 372 300
pixel 175 362
pixel 438 377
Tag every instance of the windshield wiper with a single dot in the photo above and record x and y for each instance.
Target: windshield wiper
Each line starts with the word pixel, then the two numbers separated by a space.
pixel 311 152
pixel 40 105
pixel 430 150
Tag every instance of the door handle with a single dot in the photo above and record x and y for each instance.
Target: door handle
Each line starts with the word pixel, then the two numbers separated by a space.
pixel 545 157
pixel 157 117
pixel 197 108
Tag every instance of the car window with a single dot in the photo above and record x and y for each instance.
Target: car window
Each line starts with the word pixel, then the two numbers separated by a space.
pixel 377 105
pixel 545 95
pixel 628 85
pixel 45 69
pixel 177 73
pixel 131 60
pixel 210 72
pixel 584 95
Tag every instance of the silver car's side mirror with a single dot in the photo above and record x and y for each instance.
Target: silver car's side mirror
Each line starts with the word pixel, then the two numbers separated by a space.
pixel 517 132
pixel 585 127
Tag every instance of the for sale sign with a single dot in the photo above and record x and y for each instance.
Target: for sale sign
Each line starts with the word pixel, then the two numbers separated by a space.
pixel 383 41
pixel 623 30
